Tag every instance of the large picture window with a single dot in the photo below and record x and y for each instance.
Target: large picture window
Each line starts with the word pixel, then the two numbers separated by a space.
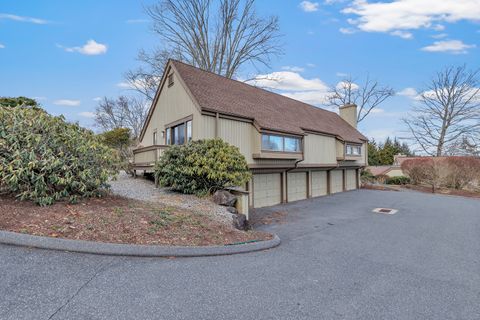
pixel 272 142
pixel 353 150
pixel 179 134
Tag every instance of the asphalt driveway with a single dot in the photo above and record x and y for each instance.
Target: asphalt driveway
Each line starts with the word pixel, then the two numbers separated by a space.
pixel 338 260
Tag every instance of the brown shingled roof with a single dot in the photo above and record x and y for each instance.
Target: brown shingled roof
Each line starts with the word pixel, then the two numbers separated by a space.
pixel 269 110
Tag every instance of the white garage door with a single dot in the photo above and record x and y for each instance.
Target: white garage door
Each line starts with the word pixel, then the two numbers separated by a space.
pixel 351 183
pixel 319 183
pixel 266 189
pixel 297 186
pixel 336 181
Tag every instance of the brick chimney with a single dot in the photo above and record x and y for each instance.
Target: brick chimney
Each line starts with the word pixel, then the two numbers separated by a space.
pixel 349 113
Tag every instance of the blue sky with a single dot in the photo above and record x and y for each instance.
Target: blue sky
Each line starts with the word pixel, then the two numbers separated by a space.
pixel 68 53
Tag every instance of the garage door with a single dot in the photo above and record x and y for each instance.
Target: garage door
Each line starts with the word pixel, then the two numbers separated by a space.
pixel 266 189
pixel 297 186
pixel 319 183
pixel 351 183
pixel 336 181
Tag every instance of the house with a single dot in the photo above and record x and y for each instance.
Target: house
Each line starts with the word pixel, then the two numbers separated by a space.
pixel 395 170
pixel 294 150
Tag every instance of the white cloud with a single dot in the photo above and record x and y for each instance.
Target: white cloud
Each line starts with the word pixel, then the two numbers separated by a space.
pixel 440 36
pixel 97 99
pixel 347 30
pixel 293 85
pixel 397 15
pixel 308 6
pixel 341 74
pixel 132 21
pixel 87 114
pixel 343 84
pixel 311 65
pixel 293 69
pixel 91 48
pixel 449 46
pixel 67 102
pixel 125 85
pixel 402 34
pixel 2 46
pixel 438 27
pixel 408 92
pixel 13 17
pixel 334 1
pixel 40 98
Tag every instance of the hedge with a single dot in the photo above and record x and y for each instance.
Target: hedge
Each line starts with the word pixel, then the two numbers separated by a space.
pixel 401 180
pixel 202 167
pixel 45 159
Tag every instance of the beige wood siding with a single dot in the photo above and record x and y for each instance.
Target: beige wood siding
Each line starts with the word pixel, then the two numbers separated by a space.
pixel 319 183
pixel 340 149
pixel 351 179
pixel 266 189
pixel 173 104
pixel 239 134
pixel 319 149
pixel 296 186
pixel 336 181
pixel 207 126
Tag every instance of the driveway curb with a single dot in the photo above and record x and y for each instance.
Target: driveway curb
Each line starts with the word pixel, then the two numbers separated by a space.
pixel 114 249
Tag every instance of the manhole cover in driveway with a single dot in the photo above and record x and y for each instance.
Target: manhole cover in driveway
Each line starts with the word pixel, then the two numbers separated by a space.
pixel 385 210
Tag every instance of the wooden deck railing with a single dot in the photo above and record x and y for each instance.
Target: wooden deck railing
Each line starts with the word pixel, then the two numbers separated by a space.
pixel 145 157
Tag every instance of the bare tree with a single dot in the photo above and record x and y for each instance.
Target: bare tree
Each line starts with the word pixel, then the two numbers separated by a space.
pixel 145 79
pixel 218 36
pixel 124 112
pixel 367 96
pixel 448 111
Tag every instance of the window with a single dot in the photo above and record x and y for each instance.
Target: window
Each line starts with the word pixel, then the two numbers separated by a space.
pixel 189 131
pixel 179 134
pixel 170 80
pixel 280 143
pixel 155 137
pixel 353 150
pixel 168 136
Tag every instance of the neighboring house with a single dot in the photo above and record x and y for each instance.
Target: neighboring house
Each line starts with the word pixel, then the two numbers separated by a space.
pixel 295 150
pixel 395 170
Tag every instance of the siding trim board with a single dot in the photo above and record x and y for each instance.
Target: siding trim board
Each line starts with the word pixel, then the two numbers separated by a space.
pixel 180 121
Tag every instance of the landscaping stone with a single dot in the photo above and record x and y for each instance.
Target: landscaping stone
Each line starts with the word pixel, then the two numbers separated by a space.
pixel 224 198
pixel 232 210
pixel 240 221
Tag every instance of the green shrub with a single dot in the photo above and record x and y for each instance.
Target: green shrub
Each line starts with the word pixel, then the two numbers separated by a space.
pixel 119 140
pixel 45 159
pixel 202 167
pixel 401 180
pixel 366 176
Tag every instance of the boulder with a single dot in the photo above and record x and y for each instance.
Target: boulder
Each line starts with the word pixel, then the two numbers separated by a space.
pixel 224 198
pixel 232 210
pixel 240 221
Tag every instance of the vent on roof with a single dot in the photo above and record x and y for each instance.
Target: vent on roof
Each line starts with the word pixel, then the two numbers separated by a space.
pixel 385 210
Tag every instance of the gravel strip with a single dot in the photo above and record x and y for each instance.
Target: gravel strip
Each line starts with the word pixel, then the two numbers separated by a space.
pixel 142 189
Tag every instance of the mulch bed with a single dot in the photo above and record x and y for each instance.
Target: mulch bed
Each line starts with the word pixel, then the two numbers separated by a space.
pixel 120 220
